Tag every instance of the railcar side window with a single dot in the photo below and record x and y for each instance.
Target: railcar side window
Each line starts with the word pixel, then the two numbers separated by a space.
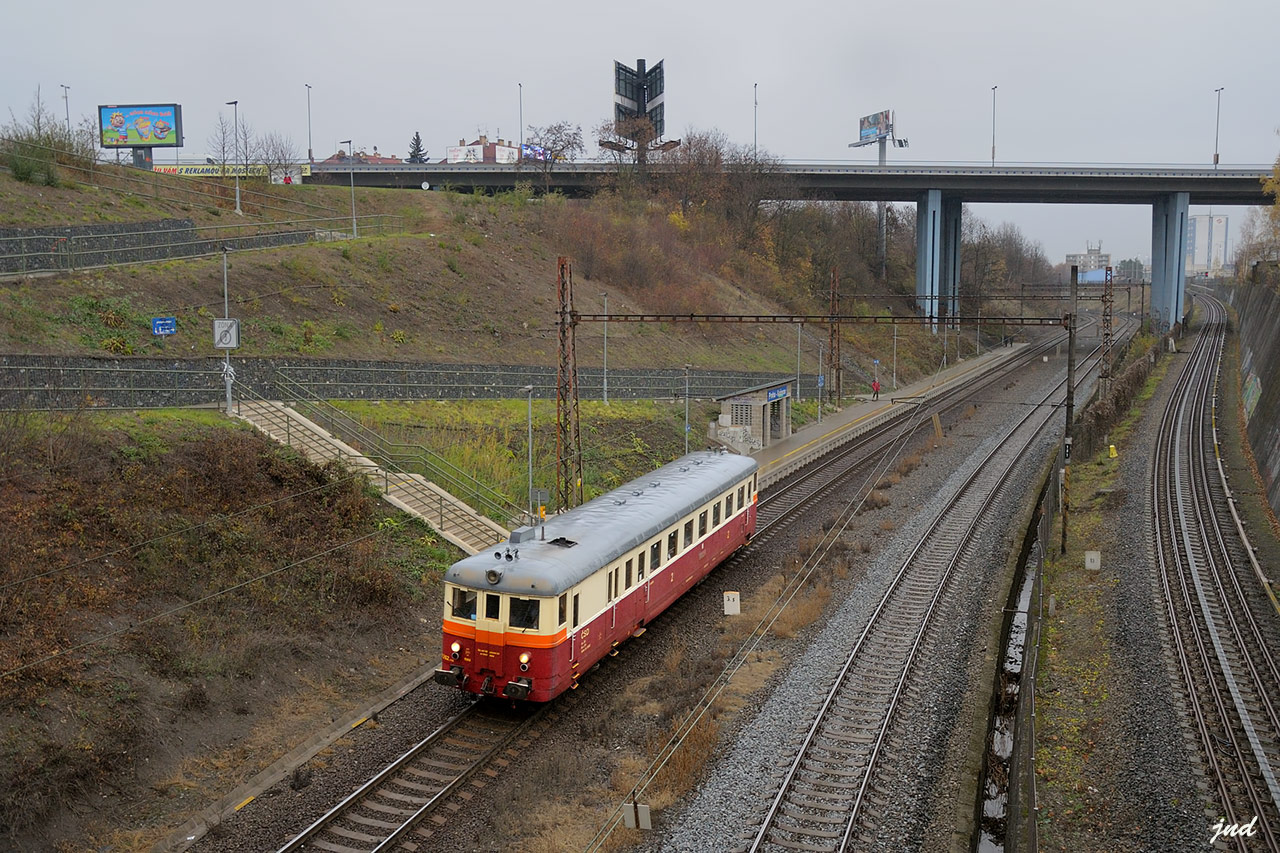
pixel 464 603
pixel 688 533
pixel 672 545
pixel 492 605
pixel 628 586
pixel 575 610
pixel 564 599
pixel 524 612
pixel 741 504
pixel 728 507
pixel 715 515
pixel 640 566
pixel 655 555
pixel 702 523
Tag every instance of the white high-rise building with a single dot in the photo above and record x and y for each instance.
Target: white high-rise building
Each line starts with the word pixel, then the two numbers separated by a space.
pixel 1206 243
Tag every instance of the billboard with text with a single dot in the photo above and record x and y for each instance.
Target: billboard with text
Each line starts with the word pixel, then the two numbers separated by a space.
pixel 140 125
pixel 875 127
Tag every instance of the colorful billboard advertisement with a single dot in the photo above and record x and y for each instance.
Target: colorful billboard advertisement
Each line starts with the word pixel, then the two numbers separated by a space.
pixel 875 127
pixel 140 125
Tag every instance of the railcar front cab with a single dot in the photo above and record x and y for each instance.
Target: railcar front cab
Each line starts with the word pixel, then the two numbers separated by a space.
pixel 499 643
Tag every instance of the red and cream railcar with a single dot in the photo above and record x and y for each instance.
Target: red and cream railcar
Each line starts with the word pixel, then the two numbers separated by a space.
pixel 526 619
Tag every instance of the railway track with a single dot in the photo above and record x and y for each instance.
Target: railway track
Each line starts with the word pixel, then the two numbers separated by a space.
pixel 391 810
pixel 784 500
pixel 399 807
pixel 823 796
pixel 1222 653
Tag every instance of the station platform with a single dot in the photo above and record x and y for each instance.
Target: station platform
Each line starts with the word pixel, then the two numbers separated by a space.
pixel 785 456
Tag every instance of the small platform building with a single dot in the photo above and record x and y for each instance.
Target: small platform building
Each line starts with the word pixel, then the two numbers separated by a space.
pixel 754 418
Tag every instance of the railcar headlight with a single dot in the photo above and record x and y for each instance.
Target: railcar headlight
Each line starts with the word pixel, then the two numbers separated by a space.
pixel 524 661
pixel 456 648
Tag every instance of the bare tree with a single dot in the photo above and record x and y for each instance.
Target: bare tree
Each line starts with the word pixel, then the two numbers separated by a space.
pixel 221 143
pixel 278 154
pixel 559 142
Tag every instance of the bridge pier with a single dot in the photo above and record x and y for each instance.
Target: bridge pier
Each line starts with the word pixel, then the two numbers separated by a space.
pixel 928 253
pixel 938 255
pixel 1168 257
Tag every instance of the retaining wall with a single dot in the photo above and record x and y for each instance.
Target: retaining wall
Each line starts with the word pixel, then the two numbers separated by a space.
pixel 1257 306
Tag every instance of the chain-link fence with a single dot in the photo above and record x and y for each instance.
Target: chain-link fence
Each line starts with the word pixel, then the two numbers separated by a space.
pixel 80 247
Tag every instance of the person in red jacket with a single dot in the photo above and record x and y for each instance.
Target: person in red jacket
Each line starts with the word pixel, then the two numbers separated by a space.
pixel 875 389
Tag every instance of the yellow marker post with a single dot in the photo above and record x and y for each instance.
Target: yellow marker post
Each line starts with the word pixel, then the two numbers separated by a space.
pixel 1112 452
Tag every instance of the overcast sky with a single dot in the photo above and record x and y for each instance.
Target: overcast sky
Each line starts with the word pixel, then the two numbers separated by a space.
pixel 1122 81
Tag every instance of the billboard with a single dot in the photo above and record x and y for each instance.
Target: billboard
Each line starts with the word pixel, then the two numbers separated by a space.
pixel 640 91
pixel 464 154
pixel 875 127
pixel 140 125
pixel 228 170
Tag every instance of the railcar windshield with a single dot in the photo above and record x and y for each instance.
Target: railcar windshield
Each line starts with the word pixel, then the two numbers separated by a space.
pixel 523 612
pixel 463 604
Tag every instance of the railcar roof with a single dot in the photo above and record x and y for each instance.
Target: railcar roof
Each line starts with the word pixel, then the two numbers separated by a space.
pixel 604 528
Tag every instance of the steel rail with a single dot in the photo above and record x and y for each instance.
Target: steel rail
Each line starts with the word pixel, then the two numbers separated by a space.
pixel 1186 517
pixel 924 621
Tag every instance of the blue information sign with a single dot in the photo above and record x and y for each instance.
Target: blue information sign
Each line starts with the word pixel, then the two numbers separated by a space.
pixel 778 393
pixel 164 325
pixel 822 380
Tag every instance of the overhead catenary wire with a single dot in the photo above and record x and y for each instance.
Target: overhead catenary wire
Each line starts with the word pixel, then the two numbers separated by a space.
pixel 767 620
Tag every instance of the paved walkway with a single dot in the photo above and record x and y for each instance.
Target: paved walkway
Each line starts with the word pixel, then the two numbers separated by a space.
pixel 785 456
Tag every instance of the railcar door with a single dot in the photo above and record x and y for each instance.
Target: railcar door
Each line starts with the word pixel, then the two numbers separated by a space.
pixel 489 634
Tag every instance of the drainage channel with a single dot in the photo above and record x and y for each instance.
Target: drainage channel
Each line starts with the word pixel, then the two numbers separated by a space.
pixel 1006 799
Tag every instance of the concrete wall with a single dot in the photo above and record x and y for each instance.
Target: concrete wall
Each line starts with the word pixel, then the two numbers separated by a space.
pixel 1258 307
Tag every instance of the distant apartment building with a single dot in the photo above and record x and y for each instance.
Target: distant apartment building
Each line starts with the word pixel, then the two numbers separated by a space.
pixel 1093 258
pixel 1206 243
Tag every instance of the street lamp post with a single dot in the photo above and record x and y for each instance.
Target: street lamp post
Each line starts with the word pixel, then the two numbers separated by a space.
pixel 606 348
pixel 66 97
pixel 528 389
pixel 993 124
pixel 226 315
pixel 520 156
pixel 686 407
pixel 351 156
pixel 895 356
pixel 755 121
pixel 235 106
pixel 1216 120
pixel 311 157
pixel 820 381
pixel 799 332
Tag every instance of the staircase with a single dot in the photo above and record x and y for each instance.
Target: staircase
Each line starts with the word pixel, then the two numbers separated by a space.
pixel 413 493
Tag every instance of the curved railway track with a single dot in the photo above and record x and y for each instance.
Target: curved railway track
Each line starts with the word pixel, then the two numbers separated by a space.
pixel 813 481
pixel 822 797
pixel 399 807
pixel 389 811
pixel 1221 650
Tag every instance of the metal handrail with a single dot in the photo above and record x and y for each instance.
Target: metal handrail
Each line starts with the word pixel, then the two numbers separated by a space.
pixel 394 456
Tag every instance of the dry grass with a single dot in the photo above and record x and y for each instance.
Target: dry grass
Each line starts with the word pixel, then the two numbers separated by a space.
pixel 889 480
pixel 907 464
pixel 888 526
pixel 804 610
pixel 875 499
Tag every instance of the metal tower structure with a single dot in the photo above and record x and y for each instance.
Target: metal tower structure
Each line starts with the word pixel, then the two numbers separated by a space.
pixel 834 391
pixel 1108 340
pixel 568 437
